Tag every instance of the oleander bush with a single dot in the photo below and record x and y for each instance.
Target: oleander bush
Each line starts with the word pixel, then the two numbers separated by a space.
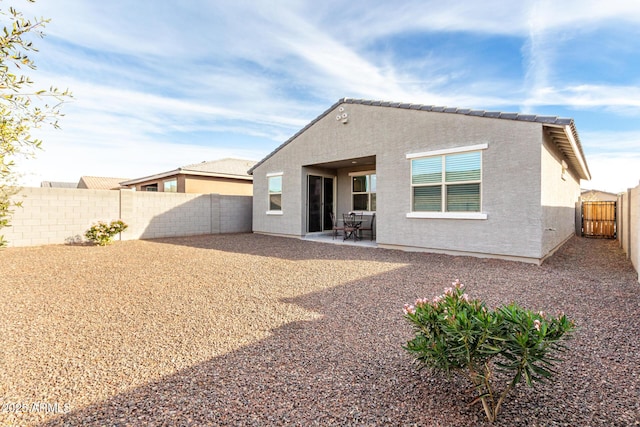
pixel 454 333
pixel 102 233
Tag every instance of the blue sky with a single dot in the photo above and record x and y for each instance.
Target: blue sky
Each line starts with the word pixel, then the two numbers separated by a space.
pixel 158 85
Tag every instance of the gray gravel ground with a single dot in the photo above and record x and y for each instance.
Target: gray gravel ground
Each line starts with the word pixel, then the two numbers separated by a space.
pixel 256 330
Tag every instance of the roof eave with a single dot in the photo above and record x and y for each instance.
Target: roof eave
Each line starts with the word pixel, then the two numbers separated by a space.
pixel 571 148
pixel 311 123
pixel 181 171
pixel 150 177
pixel 215 174
pixel 574 154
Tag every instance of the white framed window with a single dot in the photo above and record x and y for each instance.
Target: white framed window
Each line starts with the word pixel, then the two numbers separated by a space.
pixel 363 191
pixel 170 186
pixel 274 185
pixel 447 183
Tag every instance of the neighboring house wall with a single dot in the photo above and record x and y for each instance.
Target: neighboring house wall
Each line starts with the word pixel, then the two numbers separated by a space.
pixel 159 183
pixel 54 215
pixel 517 164
pixel 628 216
pixel 204 185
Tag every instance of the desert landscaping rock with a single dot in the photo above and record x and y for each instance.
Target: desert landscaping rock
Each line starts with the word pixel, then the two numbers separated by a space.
pixel 255 330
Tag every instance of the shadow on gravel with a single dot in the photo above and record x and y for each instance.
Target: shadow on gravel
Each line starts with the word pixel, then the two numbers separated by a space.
pixel 348 367
pixel 280 247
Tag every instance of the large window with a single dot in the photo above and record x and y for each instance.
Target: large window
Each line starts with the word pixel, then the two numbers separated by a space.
pixel 447 182
pixel 275 192
pixel 171 186
pixel 363 191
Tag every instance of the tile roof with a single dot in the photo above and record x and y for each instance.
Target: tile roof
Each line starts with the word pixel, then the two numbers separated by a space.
pixel 58 184
pixel 224 168
pixel 568 144
pixel 100 183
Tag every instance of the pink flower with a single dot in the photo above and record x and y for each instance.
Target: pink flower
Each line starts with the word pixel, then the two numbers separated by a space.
pixel 409 309
pixel 536 324
pixel 421 301
pixel 448 291
pixel 465 297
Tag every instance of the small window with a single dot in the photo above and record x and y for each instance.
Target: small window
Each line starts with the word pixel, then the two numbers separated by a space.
pixel 150 187
pixel 447 183
pixel 171 186
pixel 275 192
pixel 363 192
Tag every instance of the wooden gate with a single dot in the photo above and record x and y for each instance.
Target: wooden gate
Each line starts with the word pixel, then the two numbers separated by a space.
pixel 599 219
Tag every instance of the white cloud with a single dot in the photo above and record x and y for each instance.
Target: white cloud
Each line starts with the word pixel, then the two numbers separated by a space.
pixel 613 159
pixel 152 74
pixel 613 173
pixel 67 160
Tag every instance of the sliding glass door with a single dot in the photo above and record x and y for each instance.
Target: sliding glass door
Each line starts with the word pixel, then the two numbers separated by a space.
pixel 320 195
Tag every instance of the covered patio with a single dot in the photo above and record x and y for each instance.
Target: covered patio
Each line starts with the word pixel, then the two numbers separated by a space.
pixel 338 187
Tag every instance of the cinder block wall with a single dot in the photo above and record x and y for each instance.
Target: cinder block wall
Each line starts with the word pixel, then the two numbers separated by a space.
pixel 58 215
pixel 152 215
pixel 236 214
pixel 628 218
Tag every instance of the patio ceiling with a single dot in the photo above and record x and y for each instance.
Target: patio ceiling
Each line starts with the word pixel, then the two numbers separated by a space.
pixel 346 163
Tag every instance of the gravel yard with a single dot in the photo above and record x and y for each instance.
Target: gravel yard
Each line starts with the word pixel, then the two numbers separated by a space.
pixel 256 330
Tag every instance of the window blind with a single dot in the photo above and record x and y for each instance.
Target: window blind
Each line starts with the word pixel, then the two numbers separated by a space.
pixel 463 198
pixel 426 171
pixel 427 199
pixel 462 167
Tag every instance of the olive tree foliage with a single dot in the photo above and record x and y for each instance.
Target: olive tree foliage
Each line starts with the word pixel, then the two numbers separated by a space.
pixel 21 108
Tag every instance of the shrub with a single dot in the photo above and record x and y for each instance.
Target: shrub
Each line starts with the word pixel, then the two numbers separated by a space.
pixel 456 333
pixel 102 233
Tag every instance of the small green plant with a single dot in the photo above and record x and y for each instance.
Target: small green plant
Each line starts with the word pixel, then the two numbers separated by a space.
pixel 456 333
pixel 102 233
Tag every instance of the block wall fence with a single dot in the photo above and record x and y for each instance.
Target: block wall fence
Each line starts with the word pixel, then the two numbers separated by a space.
pixel 61 215
pixel 628 224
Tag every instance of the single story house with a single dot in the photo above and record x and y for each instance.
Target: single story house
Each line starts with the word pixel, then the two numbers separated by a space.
pixel 224 176
pixel 443 180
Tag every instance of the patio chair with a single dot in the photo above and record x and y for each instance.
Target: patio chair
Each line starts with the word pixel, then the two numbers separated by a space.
pixel 352 222
pixel 368 226
pixel 336 227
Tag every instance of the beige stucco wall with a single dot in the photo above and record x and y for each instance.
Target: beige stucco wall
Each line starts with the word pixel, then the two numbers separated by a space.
pixel 160 183
pixel 511 186
pixel 205 185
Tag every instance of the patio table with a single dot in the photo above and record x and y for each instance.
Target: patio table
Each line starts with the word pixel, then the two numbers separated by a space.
pixel 352 223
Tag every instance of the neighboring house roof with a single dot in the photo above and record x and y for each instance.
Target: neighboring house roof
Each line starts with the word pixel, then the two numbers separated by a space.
pixel 57 184
pixel 223 168
pixel 562 130
pixel 100 183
